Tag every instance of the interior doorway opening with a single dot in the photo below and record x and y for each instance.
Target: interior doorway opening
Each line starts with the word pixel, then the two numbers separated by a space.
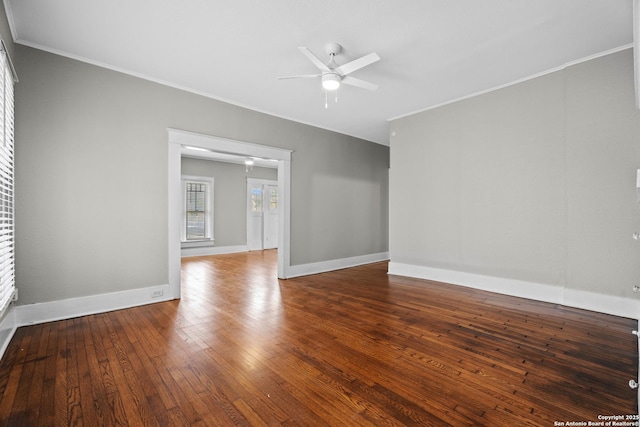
pixel 179 141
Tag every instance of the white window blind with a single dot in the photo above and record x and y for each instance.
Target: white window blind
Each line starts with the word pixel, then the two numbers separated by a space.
pixel 7 256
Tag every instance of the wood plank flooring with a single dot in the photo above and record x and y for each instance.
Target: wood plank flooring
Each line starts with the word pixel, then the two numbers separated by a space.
pixel 347 348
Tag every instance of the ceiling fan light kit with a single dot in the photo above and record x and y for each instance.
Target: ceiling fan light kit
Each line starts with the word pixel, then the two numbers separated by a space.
pixel 330 81
pixel 332 74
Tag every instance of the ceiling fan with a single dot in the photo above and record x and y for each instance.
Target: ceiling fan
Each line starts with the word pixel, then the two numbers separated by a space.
pixel 332 74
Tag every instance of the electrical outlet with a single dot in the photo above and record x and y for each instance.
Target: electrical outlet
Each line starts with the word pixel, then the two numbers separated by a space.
pixel 157 293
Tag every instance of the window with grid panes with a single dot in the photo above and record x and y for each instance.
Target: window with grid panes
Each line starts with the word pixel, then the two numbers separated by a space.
pixel 198 209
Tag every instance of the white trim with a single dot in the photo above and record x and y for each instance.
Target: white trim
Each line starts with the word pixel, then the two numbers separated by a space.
pixel 284 219
pixel 586 300
pixel 174 218
pixel 52 311
pixel 515 82
pixel 336 264
pixel 224 145
pixel 8 328
pixel 12 298
pixel 31 314
pixel 178 139
pixel 197 243
pixel 10 20
pixel 213 250
pixel 228 158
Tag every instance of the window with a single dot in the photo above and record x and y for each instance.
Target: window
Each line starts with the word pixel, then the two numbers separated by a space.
pixel 197 224
pixel 256 200
pixel 7 261
pixel 273 201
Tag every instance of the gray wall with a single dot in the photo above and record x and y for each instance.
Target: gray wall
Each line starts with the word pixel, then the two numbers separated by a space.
pixel 229 196
pixel 534 182
pixel 91 178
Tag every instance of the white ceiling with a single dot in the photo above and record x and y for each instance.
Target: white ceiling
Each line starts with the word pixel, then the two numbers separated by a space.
pixel 432 51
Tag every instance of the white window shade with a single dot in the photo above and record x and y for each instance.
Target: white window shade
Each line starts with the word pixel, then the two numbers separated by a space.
pixel 7 253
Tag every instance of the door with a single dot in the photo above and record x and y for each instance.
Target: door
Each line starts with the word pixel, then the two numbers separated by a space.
pixel 254 215
pixel 262 214
pixel 270 216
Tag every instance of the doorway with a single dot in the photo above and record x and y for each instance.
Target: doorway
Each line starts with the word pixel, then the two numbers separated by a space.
pixel 207 143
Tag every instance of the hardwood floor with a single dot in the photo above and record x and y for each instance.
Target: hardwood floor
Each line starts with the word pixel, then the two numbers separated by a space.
pixel 352 347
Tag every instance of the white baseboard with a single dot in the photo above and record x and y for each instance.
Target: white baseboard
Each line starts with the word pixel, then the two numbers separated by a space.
pixel 212 250
pixel 7 329
pixel 31 314
pixel 336 264
pixel 23 315
pixel 602 303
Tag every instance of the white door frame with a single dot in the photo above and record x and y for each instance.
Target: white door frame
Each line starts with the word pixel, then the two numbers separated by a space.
pixel 180 138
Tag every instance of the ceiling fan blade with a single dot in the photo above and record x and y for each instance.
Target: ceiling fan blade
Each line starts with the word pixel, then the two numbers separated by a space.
pixel 356 64
pixel 303 76
pixel 348 80
pixel 317 62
